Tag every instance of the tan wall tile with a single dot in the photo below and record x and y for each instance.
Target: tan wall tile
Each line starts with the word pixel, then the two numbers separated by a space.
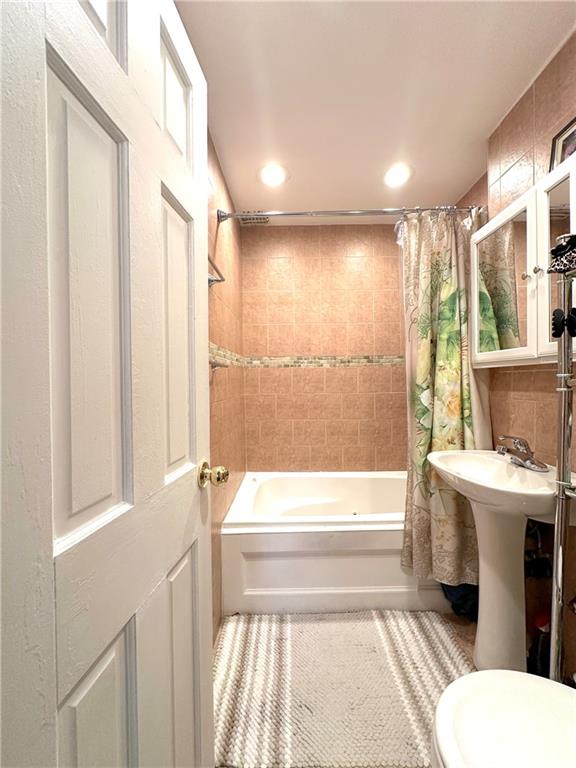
pixel 255 339
pixel 334 340
pixel 342 432
pixel 276 432
pixel 398 379
pixel 493 169
pixel 308 380
pixel 555 88
pixel 260 407
pixel 374 379
pixel 275 381
pixel 342 379
pixel 251 381
pixel 516 132
pixel 261 458
pixel 321 290
pixel 280 340
pixel 393 457
pixel 477 195
pixel 293 458
pixel 519 148
pixel 517 179
pixel 360 458
pixel 376 432
pixel 309 432
pixel 227 426
pixel 358 406
pixel 308 339
pixel 325 406
pixel 293 406
pixel 326 459
pixel 361 338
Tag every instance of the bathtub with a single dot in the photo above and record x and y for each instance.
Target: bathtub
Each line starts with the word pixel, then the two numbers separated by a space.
pixel 319 542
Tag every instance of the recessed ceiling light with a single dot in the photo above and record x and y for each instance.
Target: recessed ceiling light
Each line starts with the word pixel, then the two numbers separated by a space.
pixel 273 175
pixel 397 174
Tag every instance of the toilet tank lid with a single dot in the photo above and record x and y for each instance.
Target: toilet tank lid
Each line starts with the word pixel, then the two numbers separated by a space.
pixel 500 718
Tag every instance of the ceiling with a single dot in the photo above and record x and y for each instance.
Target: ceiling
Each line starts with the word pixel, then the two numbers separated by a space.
pixel 338 91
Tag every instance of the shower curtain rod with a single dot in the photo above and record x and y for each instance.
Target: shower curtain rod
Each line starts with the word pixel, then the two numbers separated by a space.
pixel 257 215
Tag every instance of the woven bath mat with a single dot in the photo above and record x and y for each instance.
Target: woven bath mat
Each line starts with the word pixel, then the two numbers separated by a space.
pixel 342 690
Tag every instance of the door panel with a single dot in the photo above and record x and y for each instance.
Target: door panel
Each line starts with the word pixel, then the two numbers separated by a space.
pixel 182 605
pixel 176 251
pixel 100 698
pixel 175 99
pixel 109 20
pixel 111 412
pixel 89 401
pixel 168 663
pixel 155 684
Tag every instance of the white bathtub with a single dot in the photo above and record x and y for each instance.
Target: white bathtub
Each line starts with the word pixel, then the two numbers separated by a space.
pixel 319 541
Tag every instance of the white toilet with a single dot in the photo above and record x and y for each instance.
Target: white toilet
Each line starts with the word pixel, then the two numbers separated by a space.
pixel 505 719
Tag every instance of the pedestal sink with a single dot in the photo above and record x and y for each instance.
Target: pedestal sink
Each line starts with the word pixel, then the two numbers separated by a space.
pixel 502 496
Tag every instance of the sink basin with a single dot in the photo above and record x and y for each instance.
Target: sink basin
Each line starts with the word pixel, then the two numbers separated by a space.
pixel 486 477
pixel 502 496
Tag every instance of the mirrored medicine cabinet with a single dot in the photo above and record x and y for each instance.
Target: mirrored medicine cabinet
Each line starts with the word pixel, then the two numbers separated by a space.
pixel 512 293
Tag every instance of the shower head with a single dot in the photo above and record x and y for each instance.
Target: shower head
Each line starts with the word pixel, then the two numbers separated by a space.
pixel 254 219
pixel 246 218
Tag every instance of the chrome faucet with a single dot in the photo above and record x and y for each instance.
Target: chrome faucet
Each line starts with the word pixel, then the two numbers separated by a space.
pixel 520 453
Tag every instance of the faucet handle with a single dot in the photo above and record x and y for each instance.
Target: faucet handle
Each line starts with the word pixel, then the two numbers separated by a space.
pixel 519 443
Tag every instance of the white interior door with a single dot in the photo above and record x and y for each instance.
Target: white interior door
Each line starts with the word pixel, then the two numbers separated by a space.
pixel 106 583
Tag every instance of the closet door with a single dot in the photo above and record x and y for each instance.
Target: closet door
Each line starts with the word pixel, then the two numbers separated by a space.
pixel 106 585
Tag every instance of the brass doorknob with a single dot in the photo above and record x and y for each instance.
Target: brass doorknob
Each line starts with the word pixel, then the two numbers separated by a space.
pixel 216 475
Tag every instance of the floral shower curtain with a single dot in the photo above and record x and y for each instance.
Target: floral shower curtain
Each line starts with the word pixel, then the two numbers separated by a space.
pixel 448 403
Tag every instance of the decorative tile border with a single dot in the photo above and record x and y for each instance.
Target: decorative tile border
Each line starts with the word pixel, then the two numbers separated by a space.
pixel 224 357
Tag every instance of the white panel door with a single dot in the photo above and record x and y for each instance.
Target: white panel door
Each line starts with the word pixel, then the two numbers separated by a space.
pixel 106 631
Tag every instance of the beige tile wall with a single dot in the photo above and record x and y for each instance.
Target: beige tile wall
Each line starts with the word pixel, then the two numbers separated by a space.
pixel 523 399
pixel 524 402
pixel 477 194
pixel 227 426
pixel 326 419
pixel 323 290
pixel 519 149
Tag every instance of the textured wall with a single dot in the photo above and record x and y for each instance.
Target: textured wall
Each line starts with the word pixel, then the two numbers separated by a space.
pixel 315 291
pixel 227 429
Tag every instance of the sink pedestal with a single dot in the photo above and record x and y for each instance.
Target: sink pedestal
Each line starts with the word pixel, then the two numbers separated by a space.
pixel 501 633
pixel 503 496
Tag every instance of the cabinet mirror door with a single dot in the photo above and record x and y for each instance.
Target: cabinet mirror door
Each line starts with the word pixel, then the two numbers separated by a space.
pixel 503 286
pixel 555 218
